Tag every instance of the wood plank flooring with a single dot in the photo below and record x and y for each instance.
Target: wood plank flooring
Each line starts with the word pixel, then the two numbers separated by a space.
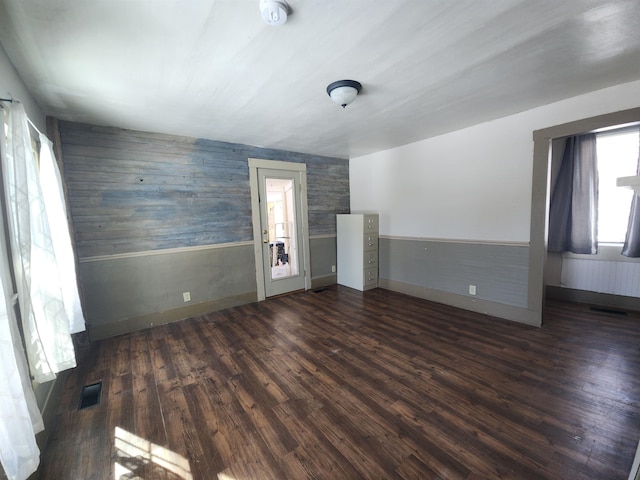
pixel 341 384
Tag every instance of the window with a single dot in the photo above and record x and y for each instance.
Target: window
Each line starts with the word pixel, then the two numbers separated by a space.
pixel 617 157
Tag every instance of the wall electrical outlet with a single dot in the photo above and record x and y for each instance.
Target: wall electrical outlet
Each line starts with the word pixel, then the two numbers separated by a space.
pixel 186 296
pixel 472 289
pixel 333 268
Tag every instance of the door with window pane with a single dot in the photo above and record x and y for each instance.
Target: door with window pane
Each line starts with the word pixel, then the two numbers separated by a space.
pixel 281 231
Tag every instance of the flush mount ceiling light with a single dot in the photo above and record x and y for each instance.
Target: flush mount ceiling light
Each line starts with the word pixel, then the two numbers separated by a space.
pixel 343 92
pixel 274 12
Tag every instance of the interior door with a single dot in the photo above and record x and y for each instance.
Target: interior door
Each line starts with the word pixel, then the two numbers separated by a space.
pixel 281 231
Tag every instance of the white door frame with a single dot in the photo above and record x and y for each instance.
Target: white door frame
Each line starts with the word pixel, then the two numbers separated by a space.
pixel 301 168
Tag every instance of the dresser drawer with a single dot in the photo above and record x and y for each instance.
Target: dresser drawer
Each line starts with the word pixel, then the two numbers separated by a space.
pixel 370 242
pixel 370 260
pixel 370 223
pixel 370 277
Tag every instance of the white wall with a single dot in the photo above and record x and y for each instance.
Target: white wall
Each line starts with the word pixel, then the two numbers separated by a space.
pixel 472 184
pixel 12 86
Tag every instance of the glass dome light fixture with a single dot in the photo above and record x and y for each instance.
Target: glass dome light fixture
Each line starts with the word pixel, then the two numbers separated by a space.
pixel 343 92
pixel 274 12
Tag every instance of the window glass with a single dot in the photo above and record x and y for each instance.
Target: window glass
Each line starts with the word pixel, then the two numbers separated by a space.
pixel 617 157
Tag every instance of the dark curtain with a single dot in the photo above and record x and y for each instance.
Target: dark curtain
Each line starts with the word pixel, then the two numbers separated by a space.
pixel 631 246
pixel 573 212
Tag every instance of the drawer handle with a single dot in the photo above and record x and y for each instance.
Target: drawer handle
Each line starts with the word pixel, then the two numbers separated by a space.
pixel 370 244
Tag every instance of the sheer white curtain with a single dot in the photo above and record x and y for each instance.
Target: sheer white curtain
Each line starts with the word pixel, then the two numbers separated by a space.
pixel 44 318
pixel 39 274
pixel 51 183
pixel 20 417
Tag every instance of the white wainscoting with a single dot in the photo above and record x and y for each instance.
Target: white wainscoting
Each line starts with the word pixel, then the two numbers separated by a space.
pixel 618 278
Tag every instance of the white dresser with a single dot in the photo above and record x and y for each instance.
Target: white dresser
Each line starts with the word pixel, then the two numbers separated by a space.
pixel 357 243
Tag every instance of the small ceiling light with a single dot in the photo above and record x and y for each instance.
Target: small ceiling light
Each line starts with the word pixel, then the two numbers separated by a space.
pixel 343 92
pixel 274 12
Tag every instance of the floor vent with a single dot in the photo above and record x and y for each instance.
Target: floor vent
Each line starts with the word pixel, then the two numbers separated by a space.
pixel 608 310
pixel 320 290
pixel 90 395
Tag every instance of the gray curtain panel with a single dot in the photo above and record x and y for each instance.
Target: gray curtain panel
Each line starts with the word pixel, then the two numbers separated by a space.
pixel 573 212
pixel 631 246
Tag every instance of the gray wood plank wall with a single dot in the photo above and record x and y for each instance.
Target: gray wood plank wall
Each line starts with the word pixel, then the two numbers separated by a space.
pixel 499 272
pixel 133 191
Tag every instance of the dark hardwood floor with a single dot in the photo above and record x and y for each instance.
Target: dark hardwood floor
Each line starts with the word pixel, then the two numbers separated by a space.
pixel 341 384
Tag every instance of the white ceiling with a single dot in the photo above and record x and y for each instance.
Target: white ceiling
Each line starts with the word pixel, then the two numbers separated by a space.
pixel 213 69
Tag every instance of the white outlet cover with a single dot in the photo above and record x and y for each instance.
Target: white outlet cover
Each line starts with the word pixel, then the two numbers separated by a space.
pixel 186 296
pixel 472 289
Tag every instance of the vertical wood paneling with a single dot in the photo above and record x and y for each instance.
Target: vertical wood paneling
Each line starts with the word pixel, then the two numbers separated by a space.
pixel 618 278
pixel 135 191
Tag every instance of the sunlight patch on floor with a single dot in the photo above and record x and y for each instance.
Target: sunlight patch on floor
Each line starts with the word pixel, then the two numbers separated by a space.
pixel 134 452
